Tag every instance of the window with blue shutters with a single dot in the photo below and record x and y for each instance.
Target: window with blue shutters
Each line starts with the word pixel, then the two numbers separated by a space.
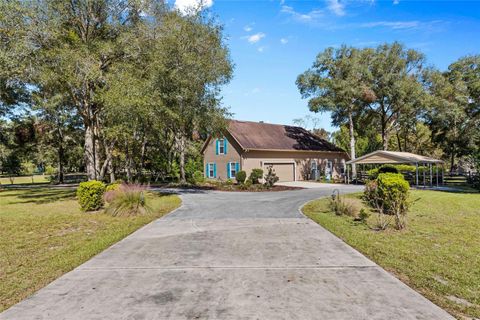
pixel 232 169
pixel 221 146
pixel 211 170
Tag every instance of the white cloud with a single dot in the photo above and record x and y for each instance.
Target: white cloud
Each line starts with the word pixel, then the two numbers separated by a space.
pixel 392 24
pixel 254 38
pixel 336 7
pixel 261 49
pixel 303 17
pixel 248 27
pixel 283 40
pixel 187 6
pixel 396 1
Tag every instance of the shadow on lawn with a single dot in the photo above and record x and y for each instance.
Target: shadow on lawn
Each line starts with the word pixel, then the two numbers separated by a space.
pixel 44 195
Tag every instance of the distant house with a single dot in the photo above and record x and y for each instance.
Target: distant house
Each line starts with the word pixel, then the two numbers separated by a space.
pixel 294 153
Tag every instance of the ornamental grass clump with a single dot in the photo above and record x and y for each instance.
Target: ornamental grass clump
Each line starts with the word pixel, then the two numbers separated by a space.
pixel 127 200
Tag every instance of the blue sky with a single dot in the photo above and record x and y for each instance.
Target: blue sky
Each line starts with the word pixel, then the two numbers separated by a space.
pixel 273 41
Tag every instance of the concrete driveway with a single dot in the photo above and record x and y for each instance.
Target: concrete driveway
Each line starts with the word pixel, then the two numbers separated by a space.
pixel 230 256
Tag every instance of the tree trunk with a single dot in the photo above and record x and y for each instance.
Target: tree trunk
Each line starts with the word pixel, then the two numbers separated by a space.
pixel 181 153
pixel 384 136
pixel 399 142
pixel 352 144
pixel 128 163
pixel 452 162
pixel 90 152
pixel 60 163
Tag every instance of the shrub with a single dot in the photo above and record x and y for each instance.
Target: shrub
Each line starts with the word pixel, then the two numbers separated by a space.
pixel 256 175
pixel 49 170
pixel 128 200
pixel 388 194
pixel 90 195
pixel 270 178
pixel 198 177
pixel 229 182
pixel 474 181
pixel 241 176
pixel 363 215
pixel 247 185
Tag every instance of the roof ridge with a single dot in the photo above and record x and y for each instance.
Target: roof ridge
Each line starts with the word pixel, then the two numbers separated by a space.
pixel 267 123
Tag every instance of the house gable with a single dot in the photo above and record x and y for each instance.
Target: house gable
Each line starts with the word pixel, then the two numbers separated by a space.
pixel 224 155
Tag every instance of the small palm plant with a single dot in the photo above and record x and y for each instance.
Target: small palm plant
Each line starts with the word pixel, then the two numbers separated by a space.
pixel 127 200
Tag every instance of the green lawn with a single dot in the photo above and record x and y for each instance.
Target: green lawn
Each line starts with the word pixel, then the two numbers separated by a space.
pixel 43 234
pixel 438 254
pixel 40 178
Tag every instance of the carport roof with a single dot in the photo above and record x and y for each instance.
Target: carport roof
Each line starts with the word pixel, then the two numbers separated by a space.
pixel 381 156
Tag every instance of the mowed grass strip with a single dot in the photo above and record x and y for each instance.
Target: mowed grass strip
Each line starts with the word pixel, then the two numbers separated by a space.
pixel 43 234
pixel 39 178
pixel 438 254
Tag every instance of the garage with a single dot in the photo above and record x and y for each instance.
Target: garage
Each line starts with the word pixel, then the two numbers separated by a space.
pixel 284 171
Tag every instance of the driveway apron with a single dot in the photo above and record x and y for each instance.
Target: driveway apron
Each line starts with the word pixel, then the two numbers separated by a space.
pixel 230 256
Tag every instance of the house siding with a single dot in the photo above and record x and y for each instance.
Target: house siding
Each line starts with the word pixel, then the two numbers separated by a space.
pixel 257 159
pixel 221 160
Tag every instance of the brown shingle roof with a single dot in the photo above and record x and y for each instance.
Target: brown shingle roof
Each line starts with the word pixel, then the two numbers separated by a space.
pixel 266 136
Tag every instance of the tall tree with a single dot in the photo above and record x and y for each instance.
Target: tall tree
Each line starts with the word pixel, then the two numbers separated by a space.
pixel 76 43
pixel 396 83
pixel 14 56
pixel 192 63
pixel 336 83
pixel 452 112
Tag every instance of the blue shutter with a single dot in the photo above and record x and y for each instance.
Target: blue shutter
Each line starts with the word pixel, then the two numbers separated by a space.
pixel 214 170
pixel 225 146
pixel 228 170
pixel 207 172
pixel 237 166
pixel 216 146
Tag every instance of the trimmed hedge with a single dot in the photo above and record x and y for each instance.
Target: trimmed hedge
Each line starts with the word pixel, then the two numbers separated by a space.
pixel 90 195
pixel 241 176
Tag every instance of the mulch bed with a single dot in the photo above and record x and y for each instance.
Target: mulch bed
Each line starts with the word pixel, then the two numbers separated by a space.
pixel 229 188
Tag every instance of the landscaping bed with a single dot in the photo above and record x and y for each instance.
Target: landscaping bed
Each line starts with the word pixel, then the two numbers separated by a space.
pixel 222 186
pixel 438 253
pixel 44 235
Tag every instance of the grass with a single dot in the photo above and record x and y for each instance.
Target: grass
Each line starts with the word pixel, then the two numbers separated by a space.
pixel 44 235
pixel 438 254
pixel 40 178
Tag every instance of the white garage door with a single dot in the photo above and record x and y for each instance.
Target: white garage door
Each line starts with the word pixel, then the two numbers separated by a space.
pixel 284 171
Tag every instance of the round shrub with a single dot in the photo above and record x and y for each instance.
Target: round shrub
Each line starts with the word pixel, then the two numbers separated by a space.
pixel 90 195
pixel 198 177
pixel 256 175
pixel 241 176
pixel 388 195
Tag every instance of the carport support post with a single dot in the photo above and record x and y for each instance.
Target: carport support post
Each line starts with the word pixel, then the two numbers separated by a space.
pixel 431 175
pixel 416 174
pixel 436 172
pixel 348 175
pixel 424 182
pixel 443 182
